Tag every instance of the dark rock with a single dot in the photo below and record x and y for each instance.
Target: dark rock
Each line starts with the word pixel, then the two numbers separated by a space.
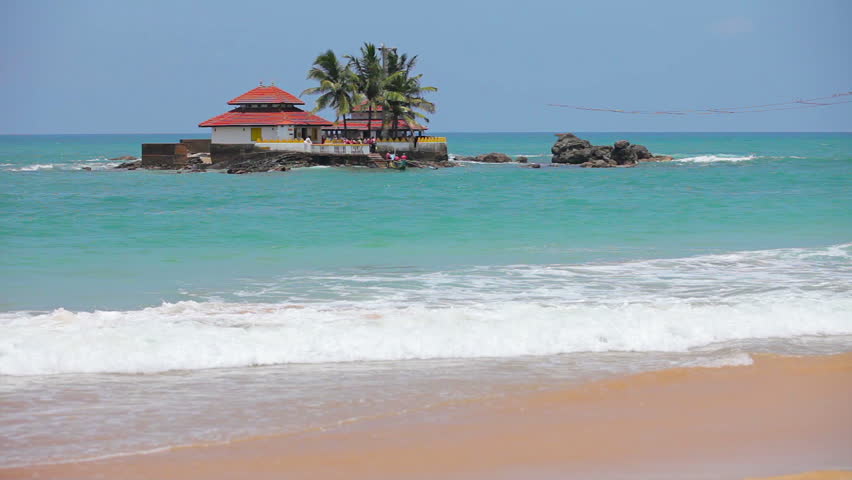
pixel 597 164
pixel 564 147
pixel 493 157
pixel 642 152
pixel 88 169
pixel 573 150
pixel 132 165
pixel 622 154
pixel 534 165
pixel 522 159
pixel 584 155
pixel 266 162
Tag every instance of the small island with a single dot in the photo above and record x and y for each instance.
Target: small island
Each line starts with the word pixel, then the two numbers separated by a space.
pixel 378 101
pixel 380 110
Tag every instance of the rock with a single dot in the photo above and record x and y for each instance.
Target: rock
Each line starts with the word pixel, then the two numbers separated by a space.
pixel 584 155
pixel 622 154
pixel 658 158
pixel 642 152
pixel 565 145
pixel 597 164
pixel 522 159
pixel 265 162
pixel 132 165
pixel 123 159
pixel 573 150
pixel 534 165
pixel 493 157
pixel 88 169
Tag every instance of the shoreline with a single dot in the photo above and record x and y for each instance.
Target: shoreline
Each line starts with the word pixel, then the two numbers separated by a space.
pixel 779 416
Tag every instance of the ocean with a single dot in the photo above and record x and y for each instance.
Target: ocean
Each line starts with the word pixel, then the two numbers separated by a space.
pixel 204 307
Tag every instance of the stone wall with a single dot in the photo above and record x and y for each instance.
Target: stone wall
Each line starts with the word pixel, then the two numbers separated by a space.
pixel 196 145
pixel 427 151
pixel 164 155
pixel 225 153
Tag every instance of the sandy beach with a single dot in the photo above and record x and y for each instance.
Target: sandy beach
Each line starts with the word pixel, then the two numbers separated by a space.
pixel 778 416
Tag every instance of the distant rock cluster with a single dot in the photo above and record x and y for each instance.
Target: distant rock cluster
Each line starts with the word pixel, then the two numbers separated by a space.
pixel 573 150
pixel 492 157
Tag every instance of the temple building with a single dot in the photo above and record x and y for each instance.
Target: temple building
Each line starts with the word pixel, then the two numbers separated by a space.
pixel 356 124
pixel 265 113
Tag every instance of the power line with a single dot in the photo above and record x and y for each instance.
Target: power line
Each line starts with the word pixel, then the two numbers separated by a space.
pixel 791 105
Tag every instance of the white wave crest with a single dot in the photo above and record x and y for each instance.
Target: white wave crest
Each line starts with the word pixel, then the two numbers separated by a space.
pixel 33 168
pixel 716 158
pixel 100 163
pixel 198 335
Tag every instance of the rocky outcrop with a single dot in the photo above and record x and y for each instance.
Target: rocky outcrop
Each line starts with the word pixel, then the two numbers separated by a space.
pixel 432 164
pixel 522 159
pixel 266 162
pixel 658 158
pixel 492 157
pixel 131 165
pixel 570 149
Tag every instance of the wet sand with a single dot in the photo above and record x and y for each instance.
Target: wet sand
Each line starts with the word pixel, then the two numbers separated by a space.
pixel 779 416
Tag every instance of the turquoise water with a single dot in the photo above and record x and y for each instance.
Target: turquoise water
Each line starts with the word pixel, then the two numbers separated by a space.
pixel 103 239
pixel 289 302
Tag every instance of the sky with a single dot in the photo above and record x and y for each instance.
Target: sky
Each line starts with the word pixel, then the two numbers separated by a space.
pixel 165 66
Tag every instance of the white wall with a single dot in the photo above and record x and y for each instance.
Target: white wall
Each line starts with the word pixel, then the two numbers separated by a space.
pixel 231 135
pixel 243 134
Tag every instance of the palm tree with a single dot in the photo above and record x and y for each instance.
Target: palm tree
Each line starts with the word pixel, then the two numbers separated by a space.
pixel 337 86
pixel 403 93
pixel 370 76
pixel 403 98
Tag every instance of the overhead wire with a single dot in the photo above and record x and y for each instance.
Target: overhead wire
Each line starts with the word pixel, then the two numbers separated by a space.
pixel 791 105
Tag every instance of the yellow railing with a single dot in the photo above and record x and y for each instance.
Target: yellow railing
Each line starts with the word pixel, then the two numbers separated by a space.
pixel 293 140
pixel 433 140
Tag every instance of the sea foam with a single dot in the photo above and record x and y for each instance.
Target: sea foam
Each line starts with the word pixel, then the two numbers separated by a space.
pixel 197 335
pixel 716 158
pixel 664 305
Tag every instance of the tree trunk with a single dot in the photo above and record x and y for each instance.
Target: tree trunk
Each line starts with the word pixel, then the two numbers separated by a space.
pixel 370 121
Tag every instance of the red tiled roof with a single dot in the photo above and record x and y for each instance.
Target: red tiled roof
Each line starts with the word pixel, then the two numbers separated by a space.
pixel 266 94
pixel 377 125
pixel 288 117
pixel 362 107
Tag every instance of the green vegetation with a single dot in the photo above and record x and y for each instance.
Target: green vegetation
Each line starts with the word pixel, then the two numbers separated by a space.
pixel 378 77
pixel 337 86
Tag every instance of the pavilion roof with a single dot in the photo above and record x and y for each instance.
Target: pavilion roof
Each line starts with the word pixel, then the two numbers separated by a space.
pixel 239 117
pixel 377 125
pixel 266 94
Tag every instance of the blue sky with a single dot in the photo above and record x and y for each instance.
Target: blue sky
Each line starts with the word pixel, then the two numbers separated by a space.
pixel 165 66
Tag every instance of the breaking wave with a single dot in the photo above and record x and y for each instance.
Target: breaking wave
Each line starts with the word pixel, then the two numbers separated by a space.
pixel 93 164
pixel 716 158
pixel 656 305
